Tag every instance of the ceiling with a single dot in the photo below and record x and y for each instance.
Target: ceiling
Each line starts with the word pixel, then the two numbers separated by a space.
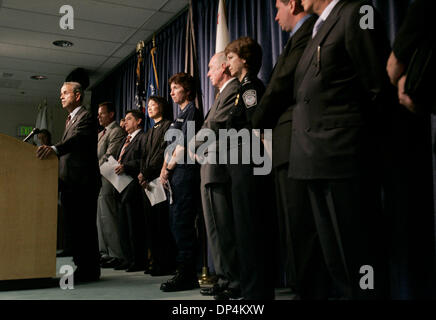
pixel 105 32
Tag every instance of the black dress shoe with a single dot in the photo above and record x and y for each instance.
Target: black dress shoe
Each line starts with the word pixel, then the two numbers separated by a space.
pixel 105 258
pixel 212 291
pixel 180 282
pixel 114 262
pixel 135 268
pixel 123 266
pixel 228 294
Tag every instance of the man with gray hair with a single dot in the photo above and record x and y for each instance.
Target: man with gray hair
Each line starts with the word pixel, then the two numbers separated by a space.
pixel 215 187
pixel 79 181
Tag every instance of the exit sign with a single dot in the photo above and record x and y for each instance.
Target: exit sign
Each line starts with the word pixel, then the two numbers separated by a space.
pixel 24 131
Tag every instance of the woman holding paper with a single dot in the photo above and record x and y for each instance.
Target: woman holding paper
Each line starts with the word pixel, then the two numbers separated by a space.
pixel 160 242
pixel 182 177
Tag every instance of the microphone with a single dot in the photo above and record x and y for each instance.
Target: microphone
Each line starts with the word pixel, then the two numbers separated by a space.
pixel 34 131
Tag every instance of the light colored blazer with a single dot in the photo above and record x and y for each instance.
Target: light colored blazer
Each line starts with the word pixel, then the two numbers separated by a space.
pixel 110 142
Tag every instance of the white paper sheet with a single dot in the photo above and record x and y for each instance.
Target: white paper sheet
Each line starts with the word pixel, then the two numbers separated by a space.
pixel 155 192
pixel 107 170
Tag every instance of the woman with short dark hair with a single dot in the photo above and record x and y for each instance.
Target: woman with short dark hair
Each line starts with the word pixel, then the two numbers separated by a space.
pixel 183 178
pixel 244 58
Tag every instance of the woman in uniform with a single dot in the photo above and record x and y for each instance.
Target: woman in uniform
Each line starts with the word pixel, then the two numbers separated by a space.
pixel 244 58
pixel 183 177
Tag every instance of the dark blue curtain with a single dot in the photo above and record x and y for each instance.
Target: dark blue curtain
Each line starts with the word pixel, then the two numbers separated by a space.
pixel 119 86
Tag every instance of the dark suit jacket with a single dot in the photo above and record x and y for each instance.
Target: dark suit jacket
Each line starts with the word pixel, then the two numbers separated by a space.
pixel 341 85
pixel 155 145
pixel 275 108
pixel 132 155
pixel 414 30
pixel 77 151
pixel 216 119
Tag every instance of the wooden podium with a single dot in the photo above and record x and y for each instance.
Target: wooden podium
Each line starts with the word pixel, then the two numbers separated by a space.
pixel 28 212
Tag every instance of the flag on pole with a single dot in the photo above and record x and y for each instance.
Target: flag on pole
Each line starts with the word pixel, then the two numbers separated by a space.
pixel 222 32
pixel 191 66
pixel 41 120
pixel 153 83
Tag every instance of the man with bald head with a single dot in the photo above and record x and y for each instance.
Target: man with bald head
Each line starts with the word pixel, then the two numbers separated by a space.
pixel 215 188
pixel 79 181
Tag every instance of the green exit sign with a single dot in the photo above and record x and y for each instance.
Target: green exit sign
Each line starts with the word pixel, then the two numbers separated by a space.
pixel 24 131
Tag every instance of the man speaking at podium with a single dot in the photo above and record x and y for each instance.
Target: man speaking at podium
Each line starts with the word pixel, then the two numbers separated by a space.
pixel 79 181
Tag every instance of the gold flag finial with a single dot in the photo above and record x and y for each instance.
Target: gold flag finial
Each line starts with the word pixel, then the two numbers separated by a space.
pixel 140 46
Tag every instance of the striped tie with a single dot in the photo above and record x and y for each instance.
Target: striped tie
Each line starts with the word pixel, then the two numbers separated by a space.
pixel 124 148
pixel 317 26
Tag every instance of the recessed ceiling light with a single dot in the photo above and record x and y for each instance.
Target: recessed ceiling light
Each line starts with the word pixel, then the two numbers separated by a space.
pixel 63 43
pixel 38 77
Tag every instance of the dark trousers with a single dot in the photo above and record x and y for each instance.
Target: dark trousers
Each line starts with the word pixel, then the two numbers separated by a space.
pixel 183 211
pixel 347 217
pixel 293 206
pixel 79 206
pixel 251 227
pixel 132 224
pixel 161 245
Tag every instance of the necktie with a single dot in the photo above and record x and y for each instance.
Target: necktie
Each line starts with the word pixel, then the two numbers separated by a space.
pixel 317 26
pixel 102 133
pixel 68 121
pixel 124 148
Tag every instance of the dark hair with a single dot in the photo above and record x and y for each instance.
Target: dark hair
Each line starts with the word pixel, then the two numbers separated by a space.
pixel 298 4
pixel 249 50
pixel 110 107
pixel 164 106
pixel 137 115
pixel 187 82
pixel 46 133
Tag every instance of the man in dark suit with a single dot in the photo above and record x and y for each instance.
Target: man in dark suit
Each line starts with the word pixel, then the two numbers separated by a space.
pixel 131 198
pixel 215 184
pixel 275 111
pixel 79 181
pixel 340 88
pixel 414 42
pixel 109 142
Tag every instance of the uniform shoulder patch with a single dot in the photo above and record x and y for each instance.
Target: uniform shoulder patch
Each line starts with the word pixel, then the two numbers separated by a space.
pixel 250 98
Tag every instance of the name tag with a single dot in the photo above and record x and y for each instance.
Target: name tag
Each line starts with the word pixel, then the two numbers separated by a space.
pixel 180 120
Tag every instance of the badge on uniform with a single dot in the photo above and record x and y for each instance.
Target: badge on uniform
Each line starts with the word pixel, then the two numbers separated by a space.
pixel 180 120
pixel 250 98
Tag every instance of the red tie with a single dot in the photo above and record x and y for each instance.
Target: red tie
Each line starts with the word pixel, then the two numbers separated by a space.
pixel 124 148
pixel 102 134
